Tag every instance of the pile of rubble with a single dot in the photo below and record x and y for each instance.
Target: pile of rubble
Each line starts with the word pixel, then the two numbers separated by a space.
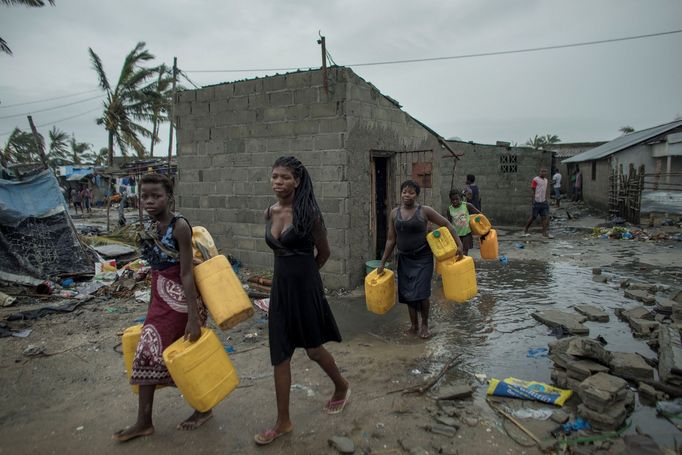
pixel 606 401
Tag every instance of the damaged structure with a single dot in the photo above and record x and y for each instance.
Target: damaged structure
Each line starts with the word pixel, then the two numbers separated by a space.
pixel 37 238
pixel 356 142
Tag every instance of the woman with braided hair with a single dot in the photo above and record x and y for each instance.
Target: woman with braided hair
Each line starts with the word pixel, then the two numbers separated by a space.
pixel 299 315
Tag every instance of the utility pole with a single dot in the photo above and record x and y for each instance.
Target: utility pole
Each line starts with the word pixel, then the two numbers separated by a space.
pixel 172 115
pixel 323 44
pixel 39 142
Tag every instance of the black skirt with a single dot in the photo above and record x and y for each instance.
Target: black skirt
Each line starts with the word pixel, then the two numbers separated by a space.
pixel 299 315
pixel 415 273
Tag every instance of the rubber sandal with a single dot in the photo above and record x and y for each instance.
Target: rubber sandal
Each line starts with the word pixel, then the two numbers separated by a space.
pixel 340 403
pixel 266 437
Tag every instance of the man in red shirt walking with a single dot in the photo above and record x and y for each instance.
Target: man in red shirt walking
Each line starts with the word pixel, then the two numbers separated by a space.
pixel 540 205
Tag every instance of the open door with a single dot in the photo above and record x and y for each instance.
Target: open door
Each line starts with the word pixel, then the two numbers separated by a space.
pixel 381 207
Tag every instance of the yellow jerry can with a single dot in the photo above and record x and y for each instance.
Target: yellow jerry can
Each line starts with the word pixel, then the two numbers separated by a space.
pixel 489 245
pixel 129 341
pixel 442 243
pixel 202 243
pixel 479 224
pixel 222 292
pixel 380 291
pixel 202 370
pixel 459 279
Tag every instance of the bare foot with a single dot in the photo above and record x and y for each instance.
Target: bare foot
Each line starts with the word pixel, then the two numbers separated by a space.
pixel 133 432
pixel 195 421
pixel 411 331
pixel 424 333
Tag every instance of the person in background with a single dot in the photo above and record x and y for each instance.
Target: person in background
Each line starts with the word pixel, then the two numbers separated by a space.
pixel 539 204
pixel 578 186
pixel 122 209
pixel 556 183
pixel 475 192
pixel 408 228
pixel 86 197
pixel 76 199
pixel 571 185
pixel 175 309
pixel 299 315
pixel 458 215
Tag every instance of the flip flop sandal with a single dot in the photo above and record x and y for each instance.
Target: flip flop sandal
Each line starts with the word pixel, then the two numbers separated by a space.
pixel 338 404
pixel 266 437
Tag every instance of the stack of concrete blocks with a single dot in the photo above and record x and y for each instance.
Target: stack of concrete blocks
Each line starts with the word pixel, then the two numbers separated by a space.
pixel 606 401
pixel 229 135
pixel 670 355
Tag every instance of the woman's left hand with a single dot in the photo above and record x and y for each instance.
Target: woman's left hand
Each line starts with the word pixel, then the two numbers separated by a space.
pixel 192 330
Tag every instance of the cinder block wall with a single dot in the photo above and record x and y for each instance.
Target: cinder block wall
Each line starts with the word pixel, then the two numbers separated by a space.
pixel 506 197
pixel 228 137
pixel 376 124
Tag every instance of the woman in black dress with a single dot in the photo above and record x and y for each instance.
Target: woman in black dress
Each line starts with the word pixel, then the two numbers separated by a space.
pixel 408 228
pixel 299 315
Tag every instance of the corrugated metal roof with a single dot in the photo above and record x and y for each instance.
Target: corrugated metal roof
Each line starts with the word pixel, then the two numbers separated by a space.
pixel 622 142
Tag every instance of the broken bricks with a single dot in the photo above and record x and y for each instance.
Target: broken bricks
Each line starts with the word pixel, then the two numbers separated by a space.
pixel 570 322
pixel 630 366
pixel 670 355
pixel 642 296
pixel 592 313
pixel 606 401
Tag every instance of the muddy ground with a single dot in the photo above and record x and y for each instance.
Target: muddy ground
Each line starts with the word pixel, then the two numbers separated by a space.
pixel 74 399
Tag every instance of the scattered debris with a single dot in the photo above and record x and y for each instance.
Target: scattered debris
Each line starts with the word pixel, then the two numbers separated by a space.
pixel 570 322
pixel 455 391
pixel 606 401
pixel 630 366
pixel 592 313
pixel 341 444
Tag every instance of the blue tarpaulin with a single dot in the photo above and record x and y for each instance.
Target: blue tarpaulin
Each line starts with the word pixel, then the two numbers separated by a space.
pixel 38 196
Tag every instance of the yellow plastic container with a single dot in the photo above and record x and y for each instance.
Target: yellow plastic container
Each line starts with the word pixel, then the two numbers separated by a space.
pixel 222 292
pixel 459 279
pixel 129 341
pixel 489 245
pixel 202 370
pixel 442 243
pixel 380 291
pixel 201 237
pixel 479 224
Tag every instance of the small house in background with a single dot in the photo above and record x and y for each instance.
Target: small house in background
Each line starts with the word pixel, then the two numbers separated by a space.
pixel 503 174
pixel 356 142
pixel 564 150
pixel 636 172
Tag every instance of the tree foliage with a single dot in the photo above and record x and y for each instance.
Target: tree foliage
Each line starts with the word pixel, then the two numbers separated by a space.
pixel 627 129
pixel 29 3
pixel 127 103
pixel 539 142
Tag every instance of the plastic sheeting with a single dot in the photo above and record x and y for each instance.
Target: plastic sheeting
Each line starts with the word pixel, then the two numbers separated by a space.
pixel 37 238
pixel 37 196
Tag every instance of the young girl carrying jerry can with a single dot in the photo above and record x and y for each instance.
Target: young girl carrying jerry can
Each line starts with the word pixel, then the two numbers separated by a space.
pixel 174 311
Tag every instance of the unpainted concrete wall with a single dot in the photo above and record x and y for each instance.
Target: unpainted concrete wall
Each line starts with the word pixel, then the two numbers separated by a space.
pixel 505 197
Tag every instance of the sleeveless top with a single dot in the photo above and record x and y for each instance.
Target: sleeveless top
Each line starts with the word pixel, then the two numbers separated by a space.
pixel 289 242
pixel 460 219
pixel 411 234
pixel 160 258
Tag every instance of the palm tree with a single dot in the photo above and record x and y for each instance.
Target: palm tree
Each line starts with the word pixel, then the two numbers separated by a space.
pixel 627 129
pixel 57 154
pixel 161 99
pixel 20 147
pixel 538 142
pixel 31 4
pixel 127 102
pixel 79 150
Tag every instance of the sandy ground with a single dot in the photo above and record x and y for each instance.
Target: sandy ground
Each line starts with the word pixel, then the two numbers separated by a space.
pixel 72 401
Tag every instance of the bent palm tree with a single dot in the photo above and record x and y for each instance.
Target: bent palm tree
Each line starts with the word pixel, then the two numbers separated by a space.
pixel 127 102
pixel 29 3
pixel 57 154
pixel 20 147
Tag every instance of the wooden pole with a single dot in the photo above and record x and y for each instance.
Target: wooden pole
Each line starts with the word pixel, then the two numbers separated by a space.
pixel 322 42
pixel 39 142
pixel 171 120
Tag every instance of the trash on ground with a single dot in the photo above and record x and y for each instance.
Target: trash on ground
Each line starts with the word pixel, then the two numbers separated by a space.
pixel 529 413
pixel 535 353
pixel 262 304
pixel 67 306
pixel 528 390
pixel 143 296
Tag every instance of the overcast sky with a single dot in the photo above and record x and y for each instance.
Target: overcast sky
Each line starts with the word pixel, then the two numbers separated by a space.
pixel 580 94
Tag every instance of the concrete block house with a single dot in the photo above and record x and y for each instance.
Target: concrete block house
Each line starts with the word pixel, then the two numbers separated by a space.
pixel 357 144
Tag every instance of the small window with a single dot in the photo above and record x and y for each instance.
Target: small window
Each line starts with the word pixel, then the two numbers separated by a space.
pixel 421 173
pixel 594 170
pixel 508 164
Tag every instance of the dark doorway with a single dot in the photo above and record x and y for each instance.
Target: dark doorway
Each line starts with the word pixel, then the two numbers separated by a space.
pixel 381 203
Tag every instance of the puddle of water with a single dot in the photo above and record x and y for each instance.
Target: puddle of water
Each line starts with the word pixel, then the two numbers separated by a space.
pixel 495 330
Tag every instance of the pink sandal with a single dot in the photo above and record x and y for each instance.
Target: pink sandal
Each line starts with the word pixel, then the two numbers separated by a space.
pixel 266 437
pixel 337 406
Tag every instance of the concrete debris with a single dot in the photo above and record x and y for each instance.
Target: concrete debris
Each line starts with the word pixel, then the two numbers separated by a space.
pixel 591 349
pixel 341 444
pixel 445 420
pixel 448 408
pixel 583 369
pixel 642 296
pixel 599 278
pixel 630 366
pixel 560 416
pixel 664 306
pixel 455 391
pixel 596 271
pixel 643 328
pixel 650 395
pixel 444 430
pixel 640 286
pixel 471 421
pixel 561 379
pixel 606 401
pixel 592 313
pixel 570 322
pixel 638 312
pixel 677 312
pixel 670 355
